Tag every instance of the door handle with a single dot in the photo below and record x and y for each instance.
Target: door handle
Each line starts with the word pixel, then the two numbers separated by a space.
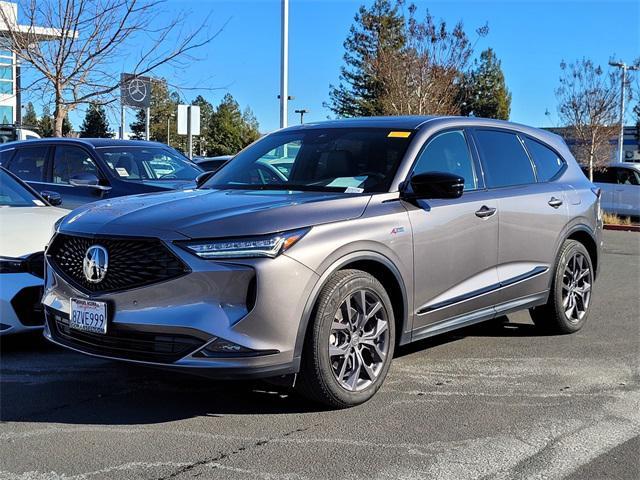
pixel 555 202
pixel 485 212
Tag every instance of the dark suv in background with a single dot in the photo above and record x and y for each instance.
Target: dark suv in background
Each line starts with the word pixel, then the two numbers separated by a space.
pixel 86 170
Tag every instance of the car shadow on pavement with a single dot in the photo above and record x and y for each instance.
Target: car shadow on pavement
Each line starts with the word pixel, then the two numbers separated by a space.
pixel 40 382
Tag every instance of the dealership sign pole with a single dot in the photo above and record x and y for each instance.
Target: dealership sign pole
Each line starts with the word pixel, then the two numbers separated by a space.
pixel 189 123
pixel 135 91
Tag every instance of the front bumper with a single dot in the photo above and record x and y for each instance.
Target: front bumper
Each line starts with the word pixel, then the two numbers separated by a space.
pixel 256 304
pixel 20 308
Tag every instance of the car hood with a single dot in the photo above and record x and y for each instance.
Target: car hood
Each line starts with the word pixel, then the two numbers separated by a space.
pixel 213 213
pixel 26 230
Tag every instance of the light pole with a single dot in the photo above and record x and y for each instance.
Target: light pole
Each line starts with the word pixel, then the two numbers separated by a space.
pixel 624 67
pixel 302 111
pixel 284 64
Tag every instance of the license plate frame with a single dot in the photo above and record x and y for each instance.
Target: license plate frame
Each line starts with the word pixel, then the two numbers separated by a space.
pixel 88 315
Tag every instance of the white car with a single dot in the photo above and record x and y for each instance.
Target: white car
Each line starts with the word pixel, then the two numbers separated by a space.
pixel 620 186
pixel 26 223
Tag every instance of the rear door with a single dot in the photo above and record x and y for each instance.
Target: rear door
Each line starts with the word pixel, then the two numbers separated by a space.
pixel 606 181
pixel 533 211
pixel 29 164
pixel 455 240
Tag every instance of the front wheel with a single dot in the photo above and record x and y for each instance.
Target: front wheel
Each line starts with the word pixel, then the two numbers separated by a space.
pixel 567 309
pixel 350 342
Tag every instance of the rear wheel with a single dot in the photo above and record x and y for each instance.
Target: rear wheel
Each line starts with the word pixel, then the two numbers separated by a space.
pixel 567 309
pixel 350 342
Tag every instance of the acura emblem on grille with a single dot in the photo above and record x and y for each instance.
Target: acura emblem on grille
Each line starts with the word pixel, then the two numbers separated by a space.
pixel 95 263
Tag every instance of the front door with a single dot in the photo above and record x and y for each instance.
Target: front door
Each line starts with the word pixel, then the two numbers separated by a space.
pixel 69 161
pixel 455 240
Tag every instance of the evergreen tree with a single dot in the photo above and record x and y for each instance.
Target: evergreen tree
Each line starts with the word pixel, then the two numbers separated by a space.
pixel 45 124
pixel 67 128
pixel 203 143
pixel 30 119
pixel 229 129
pixel 375 31
pixel 486 94
pixel 95 124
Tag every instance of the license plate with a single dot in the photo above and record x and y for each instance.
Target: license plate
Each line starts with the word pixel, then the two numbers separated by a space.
pixel 88 316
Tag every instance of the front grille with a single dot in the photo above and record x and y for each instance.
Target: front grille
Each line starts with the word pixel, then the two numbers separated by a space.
pixel 132 262
pixel 124 344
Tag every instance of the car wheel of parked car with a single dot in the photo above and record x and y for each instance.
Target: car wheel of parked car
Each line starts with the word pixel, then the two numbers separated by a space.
pixel 350 341
pixel 570 297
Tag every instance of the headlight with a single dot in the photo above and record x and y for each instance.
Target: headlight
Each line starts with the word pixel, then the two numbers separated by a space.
pixel 56 225
pixel 250 247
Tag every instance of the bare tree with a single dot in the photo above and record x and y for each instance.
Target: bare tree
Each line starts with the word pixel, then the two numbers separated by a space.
pixel 81 64
pixel 588 106
pixel 425 76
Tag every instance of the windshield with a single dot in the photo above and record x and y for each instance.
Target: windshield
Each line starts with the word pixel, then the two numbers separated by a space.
pixel 351 160
pixel 148 163
pixel 13 194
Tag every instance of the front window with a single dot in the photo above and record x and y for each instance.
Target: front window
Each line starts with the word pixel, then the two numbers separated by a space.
pixel 13 194
pixel 352 160
pixel 71 161
pixel 448 152
pixel 147 163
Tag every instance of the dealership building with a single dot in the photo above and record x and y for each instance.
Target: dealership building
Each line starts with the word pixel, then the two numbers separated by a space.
pixel 10 102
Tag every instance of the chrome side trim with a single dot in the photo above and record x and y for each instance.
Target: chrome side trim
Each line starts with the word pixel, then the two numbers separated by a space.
pixel 479 316
pixel 483 291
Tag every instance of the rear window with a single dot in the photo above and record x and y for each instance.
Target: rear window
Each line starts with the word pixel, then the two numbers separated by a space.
pixel 506 163
pixel 548 163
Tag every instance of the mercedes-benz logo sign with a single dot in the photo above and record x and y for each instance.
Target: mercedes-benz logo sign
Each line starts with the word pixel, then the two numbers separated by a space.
pixel 137 90
pixel 95 264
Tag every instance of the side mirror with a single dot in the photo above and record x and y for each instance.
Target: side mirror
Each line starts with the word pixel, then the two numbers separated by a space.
pixel 203 178
pixel 87 180
pixel 435 185
pixel 54 198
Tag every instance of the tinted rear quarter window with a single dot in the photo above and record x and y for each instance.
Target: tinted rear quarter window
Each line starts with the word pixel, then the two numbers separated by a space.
pixel 505 161
pixel 28 163
pixel 602 176
pixel 548 163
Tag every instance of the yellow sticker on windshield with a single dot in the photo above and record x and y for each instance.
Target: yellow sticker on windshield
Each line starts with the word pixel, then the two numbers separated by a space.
pixel 399 134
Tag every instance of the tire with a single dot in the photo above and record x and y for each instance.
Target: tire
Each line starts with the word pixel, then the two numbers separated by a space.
pixel 361 350
pixel 557 316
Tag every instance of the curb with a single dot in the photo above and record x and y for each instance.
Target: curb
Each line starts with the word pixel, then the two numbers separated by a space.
pixel 624 228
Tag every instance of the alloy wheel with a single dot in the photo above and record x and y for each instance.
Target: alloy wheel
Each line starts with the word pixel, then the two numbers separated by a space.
pixel 576 287
pixel 359 340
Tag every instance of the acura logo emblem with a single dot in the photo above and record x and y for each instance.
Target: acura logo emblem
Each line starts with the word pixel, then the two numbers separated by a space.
pixel 95 264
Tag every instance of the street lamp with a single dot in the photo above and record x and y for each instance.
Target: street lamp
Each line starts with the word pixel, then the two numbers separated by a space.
pixel 624 67
pixel 284 63
pixel 302 111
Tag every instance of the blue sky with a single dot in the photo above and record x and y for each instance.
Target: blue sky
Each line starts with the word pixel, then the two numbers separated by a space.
pixel 531 38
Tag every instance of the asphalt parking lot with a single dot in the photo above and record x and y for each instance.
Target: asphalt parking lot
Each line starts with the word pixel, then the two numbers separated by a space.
pixel 492 401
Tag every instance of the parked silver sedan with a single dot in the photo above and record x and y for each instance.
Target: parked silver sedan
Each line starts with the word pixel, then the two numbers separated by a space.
pixel 620 185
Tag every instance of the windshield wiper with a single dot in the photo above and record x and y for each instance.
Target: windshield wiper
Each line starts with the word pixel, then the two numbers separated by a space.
pixel 277 186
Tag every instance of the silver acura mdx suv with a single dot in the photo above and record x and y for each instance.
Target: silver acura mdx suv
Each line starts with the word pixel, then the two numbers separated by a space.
pixel 320 248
